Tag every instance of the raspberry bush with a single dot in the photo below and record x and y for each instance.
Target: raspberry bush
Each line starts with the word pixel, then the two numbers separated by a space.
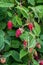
pixel 21 32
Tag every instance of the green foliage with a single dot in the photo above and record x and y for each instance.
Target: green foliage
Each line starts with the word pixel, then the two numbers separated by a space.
pixel 35 62
pixel 17 21
pixel 6 4
pixel 24 11
pixel 20 13
pixel 37 29
pixel 23 53
pixel 32 2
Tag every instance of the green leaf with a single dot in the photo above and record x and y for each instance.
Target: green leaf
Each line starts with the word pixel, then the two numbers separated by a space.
pixel 9 14
pixel 32 2
pixel 15 55
pixel 2 33
pixel 12 1
pixel 2 25
pixel 7 47
pixel 24 36
pixel 22 64
pixel 23 53
pixel 17 21
pixel 34 11
pixel 2 4
pixel 11 32
pixel 35 62
pixel 24 11
pixel 32 43
pixel 7 42
pixel 36 29
pixel 15 43
pixel 39 10
pixel 39 1
pixel 17 64
pixel 6 55
pixel 41 36
pixel 1 40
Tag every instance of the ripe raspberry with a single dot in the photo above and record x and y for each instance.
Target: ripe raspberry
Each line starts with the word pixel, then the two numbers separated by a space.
pixel 36 57
pixel 18 33
pixel 9 25
pixel 38 45
pixel 3 60
pixel 41 62
pixel 24 43
pixel 30 26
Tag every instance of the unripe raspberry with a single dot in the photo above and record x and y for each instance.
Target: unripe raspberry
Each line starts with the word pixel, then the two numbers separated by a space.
pixel 19 32
pixel 30 50
pixel 3 60
pixel 25 43
pixel 9 25
pixel 35 53
pixel 41 62
pixel 30 26
pixel 38 45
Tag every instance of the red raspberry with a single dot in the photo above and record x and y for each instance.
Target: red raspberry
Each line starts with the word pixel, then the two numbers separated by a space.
pixel 9 25
pixel 30 26
pixel 36 57
pixel 24 43
pixel 18 33
pixel 41 62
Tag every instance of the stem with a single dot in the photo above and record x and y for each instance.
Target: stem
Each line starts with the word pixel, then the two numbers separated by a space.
pixel 24 25
pixel 32 34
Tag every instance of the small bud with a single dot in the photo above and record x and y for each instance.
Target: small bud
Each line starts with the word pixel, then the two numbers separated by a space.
pixel 25 43
pixel 38 45
pixel 30 26
pixel 3 60
pixel 30 50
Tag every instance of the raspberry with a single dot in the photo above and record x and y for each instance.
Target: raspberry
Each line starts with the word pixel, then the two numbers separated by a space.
pixel 38 45
pixel 18 33
pixel 9 25
pixel 36 57
pixel 30 50
pixel 30 26
pixel 41 62
pixel 35 53
pixel 3 60
pixel 24 43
